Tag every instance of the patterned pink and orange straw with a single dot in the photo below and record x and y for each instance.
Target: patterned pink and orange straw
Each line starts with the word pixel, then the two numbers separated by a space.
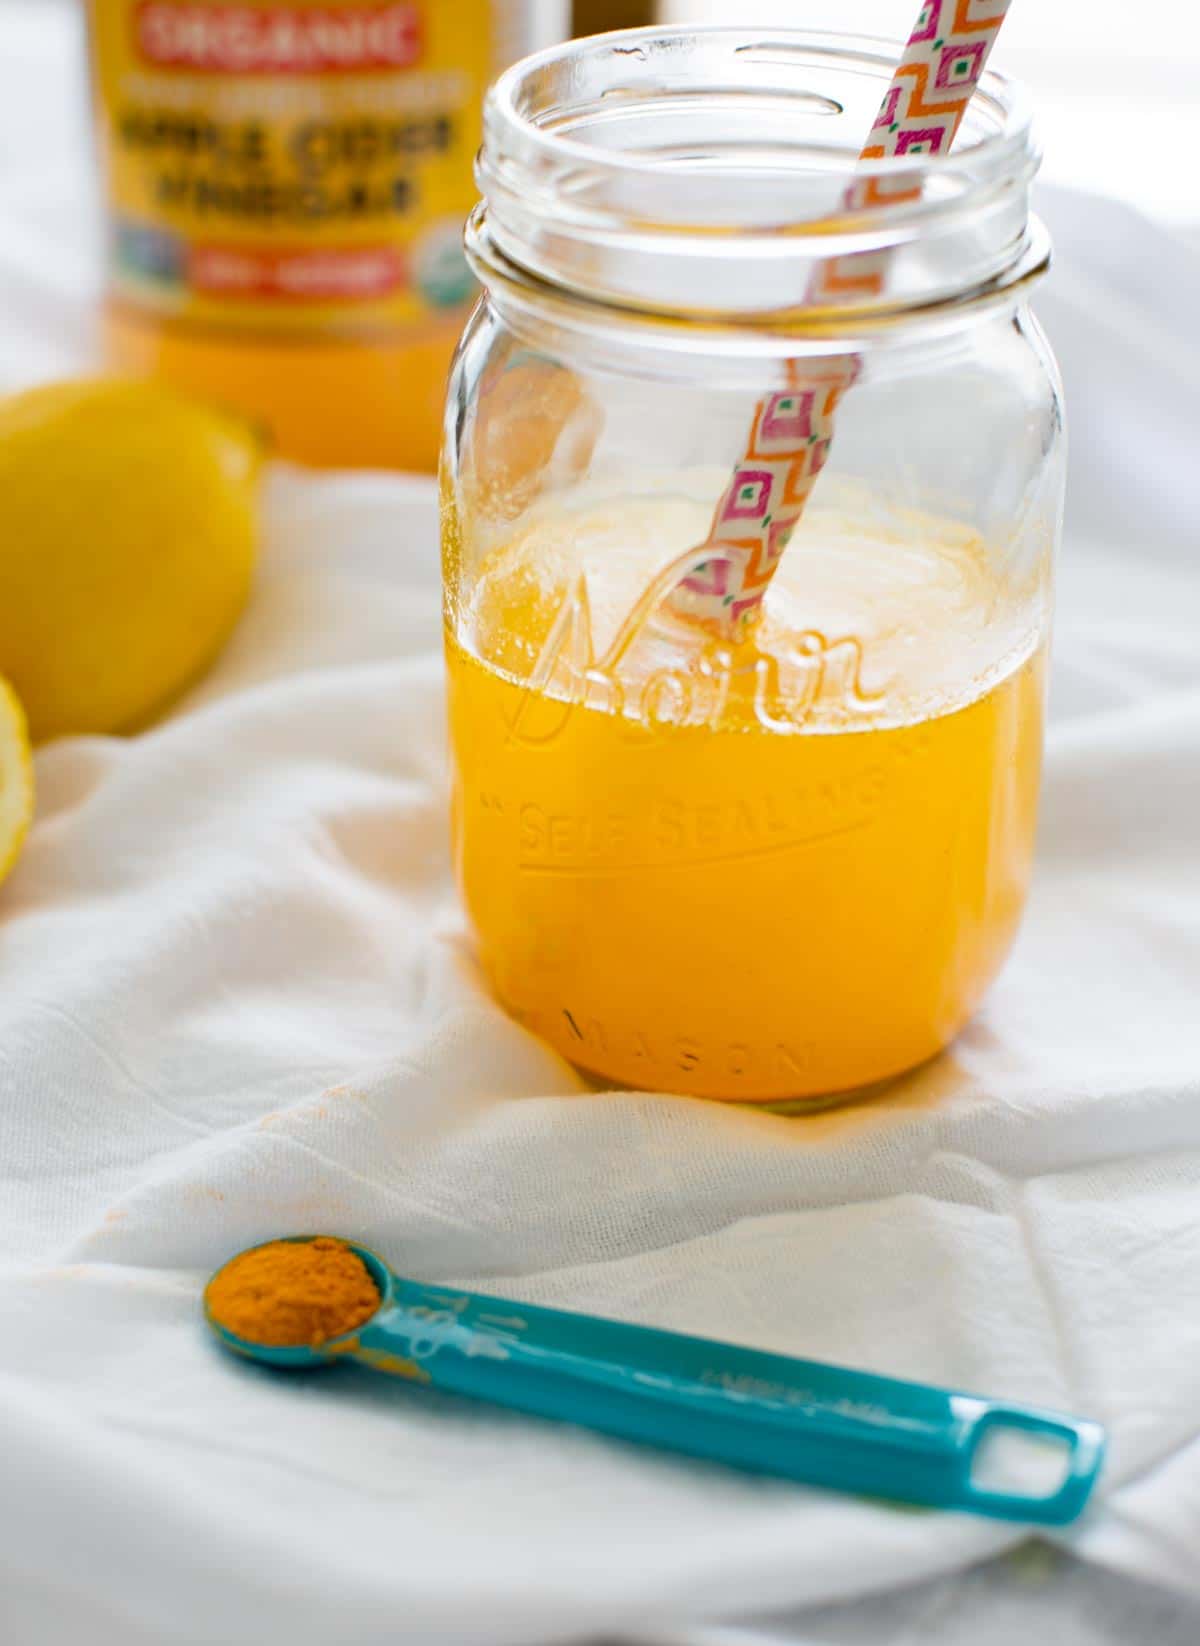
pixel 792 428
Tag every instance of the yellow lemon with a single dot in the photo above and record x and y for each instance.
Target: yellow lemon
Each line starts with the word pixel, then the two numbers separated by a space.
pixel 127 539
pixel 16 778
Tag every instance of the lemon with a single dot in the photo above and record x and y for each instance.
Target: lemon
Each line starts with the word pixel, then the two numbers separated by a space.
pixel 16 778
pixel 127 542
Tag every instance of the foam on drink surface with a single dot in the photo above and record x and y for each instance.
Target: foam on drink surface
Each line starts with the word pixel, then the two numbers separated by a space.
pixel 909 605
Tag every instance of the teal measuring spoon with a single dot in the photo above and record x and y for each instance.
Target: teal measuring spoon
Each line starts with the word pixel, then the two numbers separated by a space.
pixel 802 1420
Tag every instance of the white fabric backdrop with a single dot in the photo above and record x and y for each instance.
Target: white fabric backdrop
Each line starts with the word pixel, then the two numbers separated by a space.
pixel 236 999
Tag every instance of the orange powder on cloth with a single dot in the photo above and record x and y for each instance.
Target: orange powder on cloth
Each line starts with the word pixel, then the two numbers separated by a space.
pixel 293 1293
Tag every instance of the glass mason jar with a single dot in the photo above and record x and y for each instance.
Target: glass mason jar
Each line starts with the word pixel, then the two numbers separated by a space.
pixel 773 851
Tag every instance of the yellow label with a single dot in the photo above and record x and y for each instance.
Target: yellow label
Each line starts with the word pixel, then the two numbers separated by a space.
pixel 291 165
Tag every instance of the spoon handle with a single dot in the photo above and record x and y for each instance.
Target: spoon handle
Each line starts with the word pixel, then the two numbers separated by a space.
pixel 769 1413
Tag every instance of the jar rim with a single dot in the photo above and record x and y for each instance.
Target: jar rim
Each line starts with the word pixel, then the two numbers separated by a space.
pixel 683 171
pixel 999 151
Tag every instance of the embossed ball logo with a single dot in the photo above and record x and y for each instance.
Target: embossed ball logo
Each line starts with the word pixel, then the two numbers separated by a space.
pixel 209 39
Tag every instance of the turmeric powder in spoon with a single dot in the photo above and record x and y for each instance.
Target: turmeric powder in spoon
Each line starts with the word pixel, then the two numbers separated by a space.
pixel 293 1293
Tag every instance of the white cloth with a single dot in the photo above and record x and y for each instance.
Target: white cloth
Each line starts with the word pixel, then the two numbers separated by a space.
pixel 236 999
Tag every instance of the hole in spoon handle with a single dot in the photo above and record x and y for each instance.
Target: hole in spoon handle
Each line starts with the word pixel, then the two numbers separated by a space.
pixel 1005 1457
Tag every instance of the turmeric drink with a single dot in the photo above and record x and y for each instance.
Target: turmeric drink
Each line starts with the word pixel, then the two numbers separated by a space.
pixel 769 870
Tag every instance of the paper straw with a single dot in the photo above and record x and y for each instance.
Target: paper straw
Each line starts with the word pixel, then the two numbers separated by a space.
pixel 793 426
